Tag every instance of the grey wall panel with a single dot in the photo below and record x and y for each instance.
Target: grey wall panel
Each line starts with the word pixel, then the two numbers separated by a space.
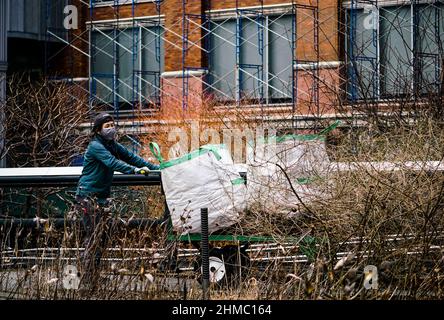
pixel 53 12
pixel 4 26
pixel 17 21
pixel 152 63
pixel 30 18
pixel 396 50
pixel 365 54
pixel 280 57
pixel 102 65
pixel 223 59
pixel 251 57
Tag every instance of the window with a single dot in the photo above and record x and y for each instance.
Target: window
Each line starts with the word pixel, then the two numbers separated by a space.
pixel 363 47
pixel 35 17
pixel 401 53
pixel 126 65
pixel 102 66
pixel 429 44
pixel 396 50
pixel 253 62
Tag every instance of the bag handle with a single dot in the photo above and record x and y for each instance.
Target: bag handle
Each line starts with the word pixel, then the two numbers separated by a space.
pixel 330 128
pixel 213 150
pixel 155 150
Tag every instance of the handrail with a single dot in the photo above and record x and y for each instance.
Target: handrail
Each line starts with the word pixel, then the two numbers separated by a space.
pixel 43 179
pixel 54 177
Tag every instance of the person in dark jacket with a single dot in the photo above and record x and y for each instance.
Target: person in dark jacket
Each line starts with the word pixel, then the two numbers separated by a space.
pixel 102 158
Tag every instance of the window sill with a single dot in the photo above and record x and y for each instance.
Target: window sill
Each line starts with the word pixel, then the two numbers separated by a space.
pixel 121 3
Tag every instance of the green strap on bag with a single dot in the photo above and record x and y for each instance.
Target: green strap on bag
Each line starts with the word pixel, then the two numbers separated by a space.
pixel 329 128
pixel 155 150
pixel 300 137
pixel 213 149
pixel 238 181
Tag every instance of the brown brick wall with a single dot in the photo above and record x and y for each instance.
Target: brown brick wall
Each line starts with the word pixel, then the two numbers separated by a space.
pixel 328 30
pixel 328 35
pixel 80 61
pixel 195 57
pixel 173 21
pixel 70 62
pixel 125 11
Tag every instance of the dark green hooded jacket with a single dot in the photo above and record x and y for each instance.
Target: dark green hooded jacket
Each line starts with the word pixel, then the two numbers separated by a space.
pixel 101 159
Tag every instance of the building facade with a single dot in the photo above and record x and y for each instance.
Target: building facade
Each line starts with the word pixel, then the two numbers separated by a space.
pixel 394 49
pixel 267 54
pixel 300 58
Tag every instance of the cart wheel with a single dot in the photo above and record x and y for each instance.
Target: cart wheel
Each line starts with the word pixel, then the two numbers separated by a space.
pixel 228 265
pixel 217 269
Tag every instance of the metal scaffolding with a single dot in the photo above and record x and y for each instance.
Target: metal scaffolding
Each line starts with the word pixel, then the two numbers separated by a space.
pixel 251 76
pixel 126 85
pixel 249 34
pixel 130 32
pixel 253 36
pixel 312 64
pixel 253 69
pixel 410 35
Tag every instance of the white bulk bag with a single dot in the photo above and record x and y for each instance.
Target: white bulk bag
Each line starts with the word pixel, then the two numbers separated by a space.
pixel 204 178
pixel 302 159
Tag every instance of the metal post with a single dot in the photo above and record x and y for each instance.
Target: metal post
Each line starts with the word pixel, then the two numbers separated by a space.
pixel 205 252
pixel 135 68
pixel 116 62
pixel 4 16
pixel 185 75
pixel 238 54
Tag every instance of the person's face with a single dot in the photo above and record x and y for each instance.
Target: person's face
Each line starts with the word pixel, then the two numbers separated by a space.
pixel 107 125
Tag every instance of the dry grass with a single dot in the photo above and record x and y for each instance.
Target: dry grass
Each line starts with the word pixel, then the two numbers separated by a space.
pixel 393 220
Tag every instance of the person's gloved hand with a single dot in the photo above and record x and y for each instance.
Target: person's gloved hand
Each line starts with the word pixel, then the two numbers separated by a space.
pixel 143 170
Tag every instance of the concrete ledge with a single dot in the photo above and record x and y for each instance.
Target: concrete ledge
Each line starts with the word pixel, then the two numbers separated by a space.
pixel 180 74
pixel 319 65
pixel 110 3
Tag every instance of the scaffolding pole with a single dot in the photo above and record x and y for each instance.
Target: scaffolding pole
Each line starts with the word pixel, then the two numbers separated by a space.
pixel 256 72
pixel 254 81
pixel 424 47
pixel 137 80
pixel 311 12
pixel 241 65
